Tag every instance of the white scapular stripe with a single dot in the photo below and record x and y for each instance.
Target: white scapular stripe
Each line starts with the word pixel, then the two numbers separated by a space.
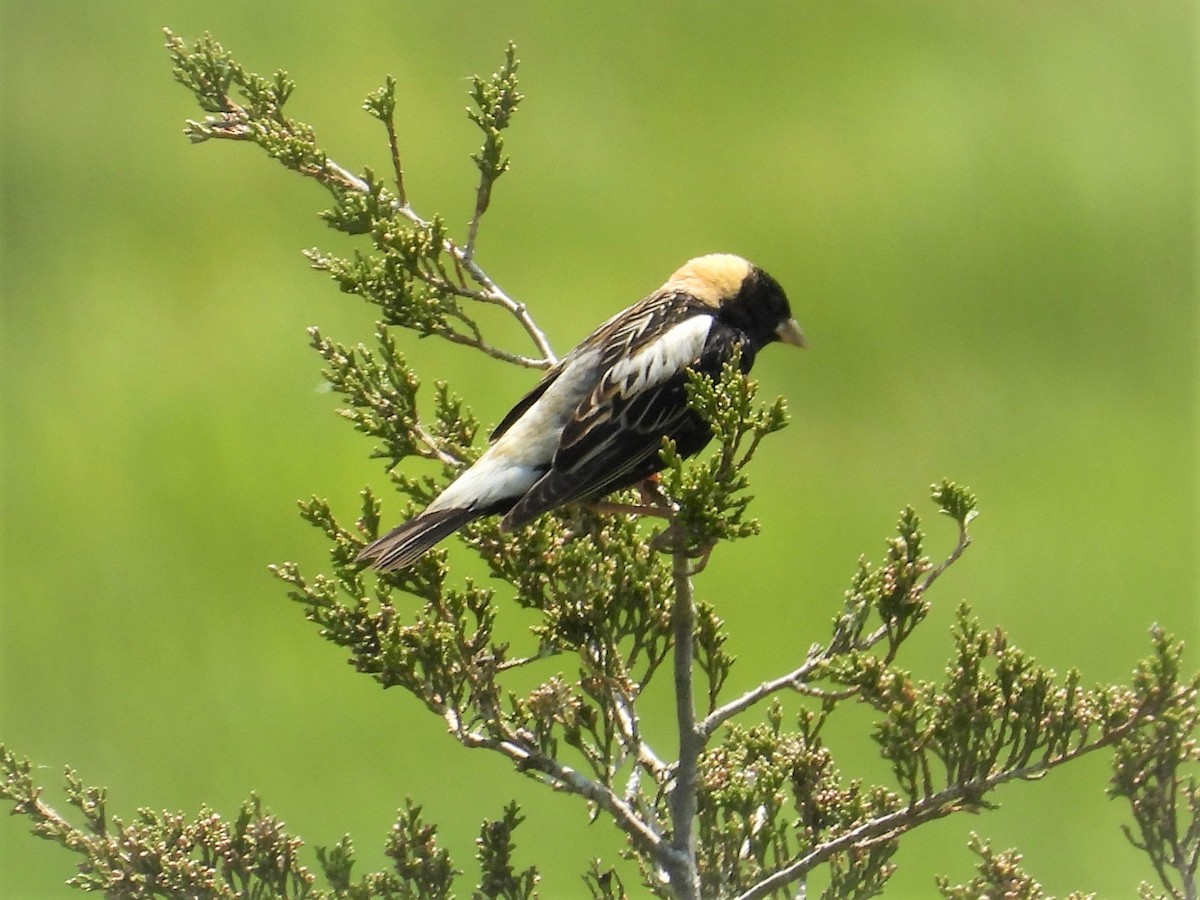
pixel 661 359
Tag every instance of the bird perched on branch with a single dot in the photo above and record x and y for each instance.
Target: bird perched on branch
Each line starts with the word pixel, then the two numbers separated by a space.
pixel 595 422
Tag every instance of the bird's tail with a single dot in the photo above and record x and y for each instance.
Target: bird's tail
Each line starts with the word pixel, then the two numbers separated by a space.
pixel 405 544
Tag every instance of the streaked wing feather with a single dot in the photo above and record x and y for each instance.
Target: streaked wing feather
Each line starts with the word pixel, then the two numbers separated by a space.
pixel 611 455
pixel 627 424
pixel 616 433
pixel 620 337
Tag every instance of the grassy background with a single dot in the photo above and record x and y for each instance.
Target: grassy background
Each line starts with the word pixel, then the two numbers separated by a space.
pixel 984 215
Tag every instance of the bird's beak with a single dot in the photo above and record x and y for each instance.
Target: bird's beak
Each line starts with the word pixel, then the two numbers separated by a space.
pixel 789 332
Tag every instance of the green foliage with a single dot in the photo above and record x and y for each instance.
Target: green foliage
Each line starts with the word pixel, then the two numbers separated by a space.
pixel 769 796
pixel 496 100
pixel 1000 875
pixel 955 501
pixel 381 104
pixel 209 71
pixel 419 276
pixel 998 715
pixel 495 850
pixel 381 391
pixel 1155 769
pixel 710 496
pixel 253 857
pixel 894 593
pixel 163 854
pixel 604 884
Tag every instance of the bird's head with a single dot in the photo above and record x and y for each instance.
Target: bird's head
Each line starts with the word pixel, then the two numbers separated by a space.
pixel 742 294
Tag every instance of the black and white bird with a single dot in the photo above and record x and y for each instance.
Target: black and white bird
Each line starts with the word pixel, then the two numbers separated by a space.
pixel 595 422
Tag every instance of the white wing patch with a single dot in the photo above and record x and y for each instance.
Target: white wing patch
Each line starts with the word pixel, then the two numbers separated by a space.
pixel 661 359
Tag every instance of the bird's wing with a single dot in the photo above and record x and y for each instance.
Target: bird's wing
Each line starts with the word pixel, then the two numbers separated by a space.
pixel 640 395
pixel 613 336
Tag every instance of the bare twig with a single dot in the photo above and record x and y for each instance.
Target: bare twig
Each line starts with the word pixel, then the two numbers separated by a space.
pixel 964 541
pixel 527 362
pixel 435 450
pixel 628 509
pixel 794 680
pixel 627 722
pixel 522 750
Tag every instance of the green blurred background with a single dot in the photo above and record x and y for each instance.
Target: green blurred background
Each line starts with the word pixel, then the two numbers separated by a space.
pixel 984 214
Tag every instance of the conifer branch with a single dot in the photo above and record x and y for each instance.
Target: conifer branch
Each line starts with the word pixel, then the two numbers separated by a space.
pixel 954 798
pixel 210 72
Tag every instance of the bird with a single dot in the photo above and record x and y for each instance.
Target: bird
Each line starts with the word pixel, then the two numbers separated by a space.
pixel 595 422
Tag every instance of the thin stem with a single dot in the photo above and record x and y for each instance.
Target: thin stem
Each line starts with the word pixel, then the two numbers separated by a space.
pixel 794 680
pixel 628 509
pixel 479 344
pixel 543 652
pixel 394 144
pixel 482 197
pixel 521 747
pixel 522 750
pixel 434 449
pixel 49 824
pixel 627 722
pixel 964 541
pixel 685 879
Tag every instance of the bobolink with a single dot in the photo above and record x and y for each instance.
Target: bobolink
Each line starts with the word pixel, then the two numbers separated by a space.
pixel 595 422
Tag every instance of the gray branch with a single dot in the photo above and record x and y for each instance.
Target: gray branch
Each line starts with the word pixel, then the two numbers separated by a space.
pixel 685 879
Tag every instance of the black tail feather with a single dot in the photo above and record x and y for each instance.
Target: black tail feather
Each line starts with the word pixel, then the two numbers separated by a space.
pixel 405 544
